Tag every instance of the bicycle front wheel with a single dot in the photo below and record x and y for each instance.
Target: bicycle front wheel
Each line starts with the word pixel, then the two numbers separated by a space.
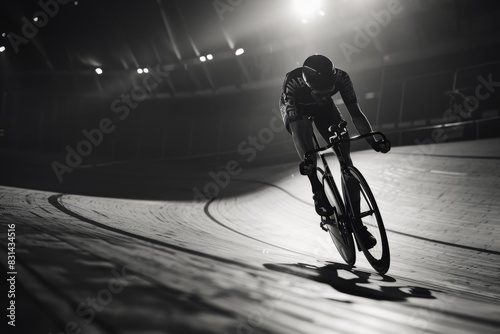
pixel 378 256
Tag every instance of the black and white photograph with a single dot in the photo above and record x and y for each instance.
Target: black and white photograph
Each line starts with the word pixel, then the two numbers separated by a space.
pixel 250 166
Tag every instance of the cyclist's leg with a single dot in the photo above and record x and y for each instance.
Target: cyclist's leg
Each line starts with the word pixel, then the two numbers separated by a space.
pixel 302 137
pixel 301 131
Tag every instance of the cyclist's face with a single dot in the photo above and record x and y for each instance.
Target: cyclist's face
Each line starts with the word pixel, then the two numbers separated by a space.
pixel 322 95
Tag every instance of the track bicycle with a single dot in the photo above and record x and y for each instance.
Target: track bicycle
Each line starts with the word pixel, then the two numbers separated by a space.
pixel 343 224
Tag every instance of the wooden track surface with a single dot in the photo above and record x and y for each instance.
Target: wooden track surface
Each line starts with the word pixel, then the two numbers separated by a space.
pixel 254 260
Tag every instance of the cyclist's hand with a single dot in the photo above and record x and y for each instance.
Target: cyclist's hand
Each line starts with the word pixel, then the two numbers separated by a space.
pixel 382 146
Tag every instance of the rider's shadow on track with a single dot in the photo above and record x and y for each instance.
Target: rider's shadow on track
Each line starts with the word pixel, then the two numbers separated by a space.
pixel 357 283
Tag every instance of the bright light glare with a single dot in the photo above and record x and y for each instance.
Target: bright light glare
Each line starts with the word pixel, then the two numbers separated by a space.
pixel 240 51
pixel 98 71
pixel 306 7
pixel 210 57
pixel 2 48
pixel 145 70
pixel 139 70
pixel 322 13
pixel 203 58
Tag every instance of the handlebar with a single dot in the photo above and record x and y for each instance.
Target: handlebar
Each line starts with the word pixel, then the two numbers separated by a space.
pixel 336 139
pixel 373 133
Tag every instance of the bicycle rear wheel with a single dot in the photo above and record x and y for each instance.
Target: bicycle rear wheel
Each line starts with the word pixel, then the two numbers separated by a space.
pixel 338 227
pixel 378 256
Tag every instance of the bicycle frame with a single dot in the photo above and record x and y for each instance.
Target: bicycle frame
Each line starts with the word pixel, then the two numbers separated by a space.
pixel 335 141
pixel 342 203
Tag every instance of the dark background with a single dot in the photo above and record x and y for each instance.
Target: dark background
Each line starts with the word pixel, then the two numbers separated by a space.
pixel 427 57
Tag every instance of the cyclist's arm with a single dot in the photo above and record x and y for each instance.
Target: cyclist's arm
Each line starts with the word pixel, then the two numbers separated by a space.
pixel 351 101
pixel 287 99
pixel 363 126
pixel 359 119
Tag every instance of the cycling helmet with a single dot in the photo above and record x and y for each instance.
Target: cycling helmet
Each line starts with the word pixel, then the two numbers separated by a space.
pixel 318 72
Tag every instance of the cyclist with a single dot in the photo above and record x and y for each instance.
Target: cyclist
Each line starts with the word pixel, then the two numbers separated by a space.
pixel 308 91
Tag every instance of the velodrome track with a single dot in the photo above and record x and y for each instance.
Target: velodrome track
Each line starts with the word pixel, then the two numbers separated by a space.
pixel 143 257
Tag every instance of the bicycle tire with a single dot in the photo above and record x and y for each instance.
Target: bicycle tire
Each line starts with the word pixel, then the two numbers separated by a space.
pixel 379 255
pixel 338 228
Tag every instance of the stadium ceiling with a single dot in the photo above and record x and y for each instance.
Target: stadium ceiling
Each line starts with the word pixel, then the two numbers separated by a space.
pixel 218 45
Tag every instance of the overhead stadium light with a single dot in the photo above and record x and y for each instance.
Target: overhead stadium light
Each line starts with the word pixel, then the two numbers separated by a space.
pixel 98 70
pixel 308 8
pixel 139 70
pixel 207 57
pixel 239 52
pixel 2 48
pixel 145 70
